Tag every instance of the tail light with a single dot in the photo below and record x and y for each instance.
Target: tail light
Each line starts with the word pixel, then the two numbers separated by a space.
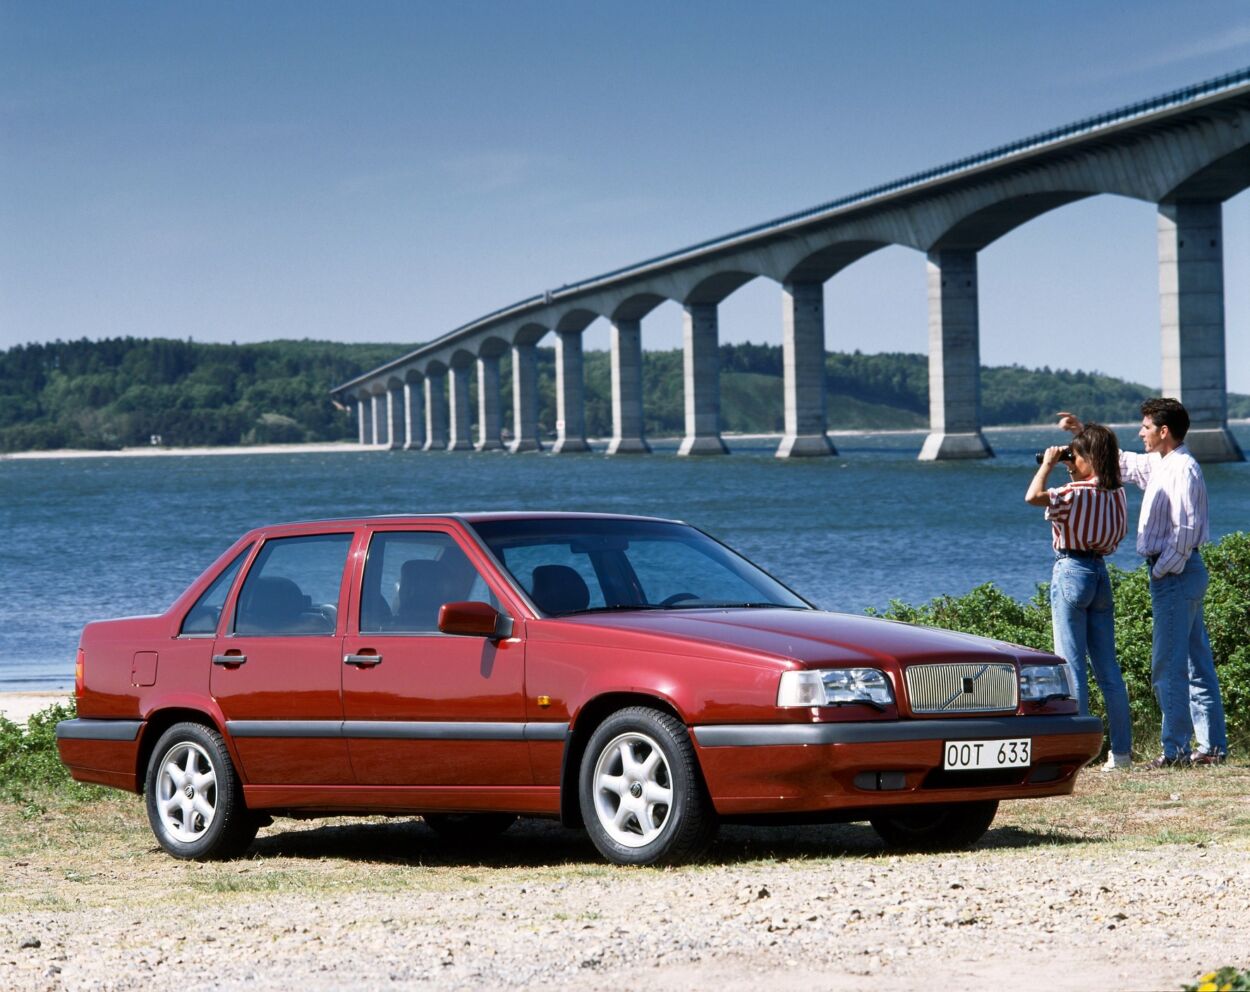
pixel 79 661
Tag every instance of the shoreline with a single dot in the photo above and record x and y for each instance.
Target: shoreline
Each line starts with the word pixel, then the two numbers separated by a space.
pixel 336 447
pixel 20 706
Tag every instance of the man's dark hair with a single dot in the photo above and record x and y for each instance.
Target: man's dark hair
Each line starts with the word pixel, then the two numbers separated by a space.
pixel 1164 411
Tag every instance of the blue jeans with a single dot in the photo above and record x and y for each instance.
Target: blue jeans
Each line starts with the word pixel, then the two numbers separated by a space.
pixel 1182 668
pixel 1083 615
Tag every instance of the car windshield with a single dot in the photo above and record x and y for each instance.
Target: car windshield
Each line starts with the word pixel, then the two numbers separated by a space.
pixel 583 565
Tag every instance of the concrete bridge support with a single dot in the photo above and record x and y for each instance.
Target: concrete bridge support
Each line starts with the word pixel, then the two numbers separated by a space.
pixel 627 431
pixel 377 419
pixel 435 412
pixel 489 416
pixel 803 357
pixel 1191 303
pixel 701 370
pixel 524 399
pixel 414 418
pixel 954 359
pixel 396 429
pixel 570 394
pixel 461 432
pixel 362 422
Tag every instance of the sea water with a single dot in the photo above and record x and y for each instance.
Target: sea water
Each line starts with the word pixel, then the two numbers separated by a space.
pixel 90 538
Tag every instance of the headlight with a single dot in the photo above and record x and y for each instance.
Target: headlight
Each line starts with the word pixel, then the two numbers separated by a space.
pixel 1039 683
pixel 833 686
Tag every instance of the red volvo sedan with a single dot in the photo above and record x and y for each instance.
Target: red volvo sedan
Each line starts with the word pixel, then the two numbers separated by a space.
pixel 630 675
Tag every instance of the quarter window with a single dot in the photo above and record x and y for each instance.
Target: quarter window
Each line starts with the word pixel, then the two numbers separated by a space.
pixel 293 587
pixel 203 616
pixel 409 575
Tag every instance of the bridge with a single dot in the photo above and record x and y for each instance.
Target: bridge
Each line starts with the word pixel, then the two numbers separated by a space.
pixel 1186 152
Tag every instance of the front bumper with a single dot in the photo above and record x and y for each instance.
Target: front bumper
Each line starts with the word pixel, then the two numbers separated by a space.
pixel 814 767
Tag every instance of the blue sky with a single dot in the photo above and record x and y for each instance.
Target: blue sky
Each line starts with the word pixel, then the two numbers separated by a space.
pixel 387 171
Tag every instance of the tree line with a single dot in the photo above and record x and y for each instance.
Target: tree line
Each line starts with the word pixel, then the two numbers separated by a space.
pixel 120 391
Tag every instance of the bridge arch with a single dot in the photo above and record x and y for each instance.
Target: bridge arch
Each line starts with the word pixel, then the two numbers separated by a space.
pixel 1185 152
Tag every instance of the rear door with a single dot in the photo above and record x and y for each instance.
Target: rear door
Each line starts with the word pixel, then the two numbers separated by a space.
pixel 276 670
pixel 422 707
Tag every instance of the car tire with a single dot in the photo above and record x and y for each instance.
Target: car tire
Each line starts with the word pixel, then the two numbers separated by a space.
pixel 194 798
pixel 641 795
pixel 937 827
pixel 467 828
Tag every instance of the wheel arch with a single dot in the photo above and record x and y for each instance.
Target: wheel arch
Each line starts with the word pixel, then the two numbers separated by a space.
pixel 587 720
pixel 160 721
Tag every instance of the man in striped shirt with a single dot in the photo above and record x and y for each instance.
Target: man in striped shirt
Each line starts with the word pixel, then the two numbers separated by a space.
pixel 1172 527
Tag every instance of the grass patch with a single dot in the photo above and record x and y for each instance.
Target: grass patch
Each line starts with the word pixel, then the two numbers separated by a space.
pixel 93 851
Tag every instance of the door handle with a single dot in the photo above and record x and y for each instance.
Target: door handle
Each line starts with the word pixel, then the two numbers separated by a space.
pixel 229 660
pixel 362 660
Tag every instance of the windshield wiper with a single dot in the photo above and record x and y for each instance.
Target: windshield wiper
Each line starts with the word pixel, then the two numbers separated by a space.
pixel 740 606
pixel 616 608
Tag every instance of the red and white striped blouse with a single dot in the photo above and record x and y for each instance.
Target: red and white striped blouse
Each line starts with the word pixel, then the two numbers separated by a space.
pixel 1085 517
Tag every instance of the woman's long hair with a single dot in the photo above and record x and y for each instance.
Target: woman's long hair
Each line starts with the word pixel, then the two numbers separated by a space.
pixel 1097 445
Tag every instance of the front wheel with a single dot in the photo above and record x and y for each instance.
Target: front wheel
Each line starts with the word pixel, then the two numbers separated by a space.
pixel 936 827
pixel 641 795
pixel 194 798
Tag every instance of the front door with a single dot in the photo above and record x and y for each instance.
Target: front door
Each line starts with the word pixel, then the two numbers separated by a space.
pixel 276 671
pixel 421 707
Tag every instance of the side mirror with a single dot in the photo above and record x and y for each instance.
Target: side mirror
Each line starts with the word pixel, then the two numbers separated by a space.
pixel 474 620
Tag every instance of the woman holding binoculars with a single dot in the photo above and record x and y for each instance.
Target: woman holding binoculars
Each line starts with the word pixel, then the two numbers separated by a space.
pixel 1088 519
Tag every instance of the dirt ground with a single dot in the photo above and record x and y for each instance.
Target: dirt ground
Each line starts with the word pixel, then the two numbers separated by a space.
pixel 1140 881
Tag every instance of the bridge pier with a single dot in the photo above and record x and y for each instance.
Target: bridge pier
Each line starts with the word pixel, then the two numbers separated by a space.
pixel 460 434
pixel 701 375
pixel 524 399
pixel 1191 304
pixel 803 359
pixel 626 349
pixel 376 420
pixel 435 412
pixel 954 359
pixel 361 422
pixel 414 419
pixel 396 432
pixel 489 417
pixel 570 394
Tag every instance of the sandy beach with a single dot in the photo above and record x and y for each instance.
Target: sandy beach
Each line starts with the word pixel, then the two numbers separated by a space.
pixel 18 706
pixel 330 447
pixel 156 451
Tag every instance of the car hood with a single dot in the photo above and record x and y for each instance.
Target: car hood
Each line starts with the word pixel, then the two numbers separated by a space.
pixel 809 636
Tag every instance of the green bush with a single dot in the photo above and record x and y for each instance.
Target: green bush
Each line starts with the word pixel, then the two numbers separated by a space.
pixel 991 613
pixel 29 761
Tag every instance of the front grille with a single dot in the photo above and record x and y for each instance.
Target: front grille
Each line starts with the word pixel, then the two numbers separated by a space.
pixel 962 688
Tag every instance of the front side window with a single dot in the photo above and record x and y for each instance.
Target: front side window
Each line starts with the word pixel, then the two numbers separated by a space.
pixel 203 616
pixel 409 575
pixel 293 586
pixel 582 565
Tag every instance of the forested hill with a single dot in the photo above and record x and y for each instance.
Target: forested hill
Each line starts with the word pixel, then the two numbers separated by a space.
pixel 118 392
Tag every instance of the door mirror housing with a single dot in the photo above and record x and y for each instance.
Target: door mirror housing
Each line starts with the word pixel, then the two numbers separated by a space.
pixel 472 619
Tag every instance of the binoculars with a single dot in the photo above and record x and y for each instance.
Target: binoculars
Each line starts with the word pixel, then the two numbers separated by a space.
pixel 1064 456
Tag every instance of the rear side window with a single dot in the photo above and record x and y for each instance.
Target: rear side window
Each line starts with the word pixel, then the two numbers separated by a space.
pixel 293 586
pixel 203 616
pixel 409 575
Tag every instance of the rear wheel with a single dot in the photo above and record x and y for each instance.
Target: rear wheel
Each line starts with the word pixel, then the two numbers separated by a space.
pixel 464 828
pixel 194 798
pixel 642 798
pixel 937 827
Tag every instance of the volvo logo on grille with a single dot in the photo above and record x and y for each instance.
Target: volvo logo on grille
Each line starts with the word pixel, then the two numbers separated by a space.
pixel 970 686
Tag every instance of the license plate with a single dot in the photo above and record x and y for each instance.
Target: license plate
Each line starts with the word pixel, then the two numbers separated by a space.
pixel 969 755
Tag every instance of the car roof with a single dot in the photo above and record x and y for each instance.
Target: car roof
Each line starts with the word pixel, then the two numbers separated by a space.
pixel 470 517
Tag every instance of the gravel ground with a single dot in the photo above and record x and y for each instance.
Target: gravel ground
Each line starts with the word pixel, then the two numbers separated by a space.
pixel 1039 916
